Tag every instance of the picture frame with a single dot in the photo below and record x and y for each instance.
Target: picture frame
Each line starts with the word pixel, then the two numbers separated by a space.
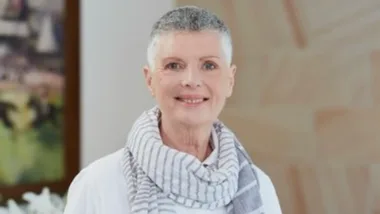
pixel 70 126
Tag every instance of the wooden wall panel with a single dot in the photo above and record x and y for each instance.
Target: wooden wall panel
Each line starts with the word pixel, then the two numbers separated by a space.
pixel 375 62
pixel 306 104
pixel 348 135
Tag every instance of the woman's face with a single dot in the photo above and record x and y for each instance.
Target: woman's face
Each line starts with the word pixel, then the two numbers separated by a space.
pixel 191 78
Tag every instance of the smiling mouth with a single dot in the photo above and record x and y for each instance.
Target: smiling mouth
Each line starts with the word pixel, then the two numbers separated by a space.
pixel 192 100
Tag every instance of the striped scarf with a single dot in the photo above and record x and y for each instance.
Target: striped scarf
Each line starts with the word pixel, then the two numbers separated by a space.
pixel 159 176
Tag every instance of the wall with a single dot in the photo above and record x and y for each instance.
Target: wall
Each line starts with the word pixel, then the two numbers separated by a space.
pixel 113 41
pixel 306 101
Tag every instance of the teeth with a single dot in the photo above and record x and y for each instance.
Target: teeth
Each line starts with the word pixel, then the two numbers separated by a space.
pixel 192 101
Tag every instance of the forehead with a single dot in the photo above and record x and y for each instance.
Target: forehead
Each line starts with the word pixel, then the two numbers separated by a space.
pixel 190 45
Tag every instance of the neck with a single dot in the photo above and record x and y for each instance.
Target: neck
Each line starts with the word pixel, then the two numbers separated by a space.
pixel 191 140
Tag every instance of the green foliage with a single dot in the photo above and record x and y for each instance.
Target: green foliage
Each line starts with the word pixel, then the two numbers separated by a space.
pixel 51 135
pixel 17 153
pixel 29 154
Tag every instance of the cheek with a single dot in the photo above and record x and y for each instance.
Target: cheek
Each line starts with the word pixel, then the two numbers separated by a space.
pixel 163 87
pixel 227 87
pixel 157 83
pixel 228 91
pixel 221 88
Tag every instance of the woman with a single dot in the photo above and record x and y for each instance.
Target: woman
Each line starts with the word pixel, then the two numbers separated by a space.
pixel 178 157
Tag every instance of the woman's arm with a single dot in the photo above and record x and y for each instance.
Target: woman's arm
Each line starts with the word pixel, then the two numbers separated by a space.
pixel 82 197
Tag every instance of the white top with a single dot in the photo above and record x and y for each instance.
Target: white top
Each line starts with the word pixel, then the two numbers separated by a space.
pixel 100 188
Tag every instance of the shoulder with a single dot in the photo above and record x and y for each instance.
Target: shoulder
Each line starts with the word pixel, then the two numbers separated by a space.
pixel 264 178
pixel 100 170
pixel 107 164
pixel 268 192
pixel 95 183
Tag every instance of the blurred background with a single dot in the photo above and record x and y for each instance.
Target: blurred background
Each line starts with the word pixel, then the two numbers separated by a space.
pixel 306 103
pixel 31 91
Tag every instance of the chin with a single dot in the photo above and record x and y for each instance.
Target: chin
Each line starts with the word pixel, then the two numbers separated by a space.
pixel 196 119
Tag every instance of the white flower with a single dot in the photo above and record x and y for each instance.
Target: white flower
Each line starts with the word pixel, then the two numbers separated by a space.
pixel 43 203
pixel 4 210
pixel 13 208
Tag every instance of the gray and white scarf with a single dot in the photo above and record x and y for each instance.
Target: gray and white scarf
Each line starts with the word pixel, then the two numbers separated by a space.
pixel 159 176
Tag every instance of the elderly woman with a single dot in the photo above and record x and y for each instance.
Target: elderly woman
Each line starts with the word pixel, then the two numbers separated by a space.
pixel 179 158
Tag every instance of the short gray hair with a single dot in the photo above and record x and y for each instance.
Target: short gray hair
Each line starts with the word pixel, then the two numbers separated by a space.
pixel 189 19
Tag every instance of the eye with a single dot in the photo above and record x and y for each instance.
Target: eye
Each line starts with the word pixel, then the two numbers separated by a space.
pixel 209 66
pixel 173 66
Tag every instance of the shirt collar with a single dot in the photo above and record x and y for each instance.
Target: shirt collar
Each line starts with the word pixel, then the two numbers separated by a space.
pixel 213 157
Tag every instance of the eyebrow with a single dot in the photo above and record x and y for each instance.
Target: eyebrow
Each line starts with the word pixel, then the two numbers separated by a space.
pixel 211 56
pixel 179 59
pixel 171 58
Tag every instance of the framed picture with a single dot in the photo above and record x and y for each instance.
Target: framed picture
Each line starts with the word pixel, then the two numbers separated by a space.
pixel 39 96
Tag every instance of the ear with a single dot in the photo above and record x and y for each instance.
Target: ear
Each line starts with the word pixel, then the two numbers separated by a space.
pixel 148 78
pixel 231 80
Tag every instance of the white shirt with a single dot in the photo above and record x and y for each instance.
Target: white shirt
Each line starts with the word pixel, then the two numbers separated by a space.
pixel 100 188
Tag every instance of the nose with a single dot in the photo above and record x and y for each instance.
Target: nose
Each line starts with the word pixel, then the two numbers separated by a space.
pixel 191 79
